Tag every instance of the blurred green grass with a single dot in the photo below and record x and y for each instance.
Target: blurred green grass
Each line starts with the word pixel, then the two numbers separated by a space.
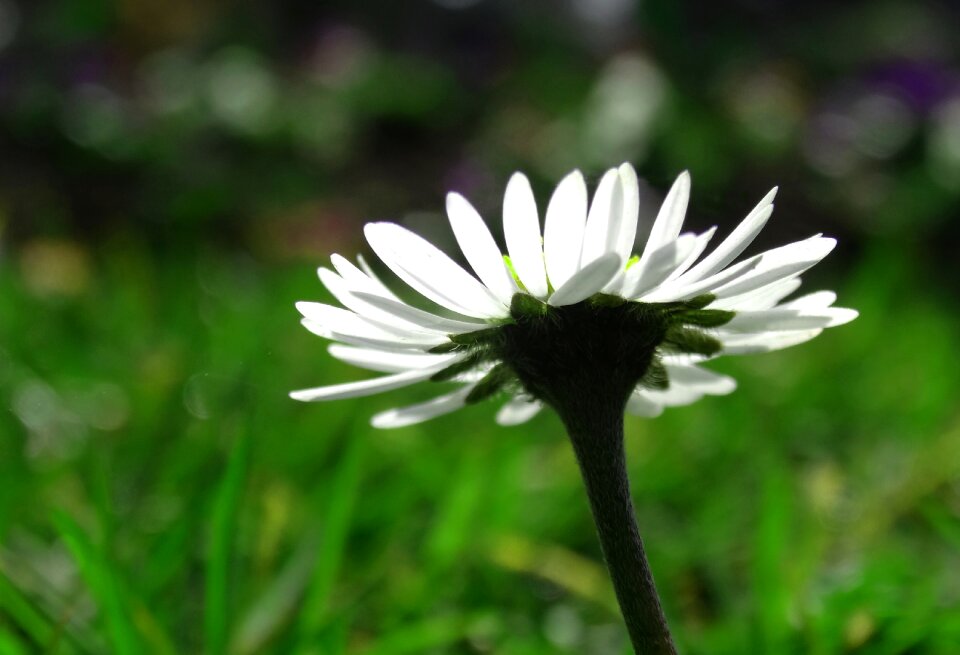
pixel 160 171
pixel 162 494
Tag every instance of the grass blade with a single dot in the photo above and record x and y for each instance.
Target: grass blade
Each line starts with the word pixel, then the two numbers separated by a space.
pixel 277 605
pixel 103 584
pixel 220 549
pixel 20 612
pixel 336 521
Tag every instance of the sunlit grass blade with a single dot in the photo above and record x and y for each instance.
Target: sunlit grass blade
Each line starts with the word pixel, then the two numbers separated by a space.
pixel 566 569
pixel 771 560
pixel 277 605
pixel 451 531
pixel 11 644
pixel 18 611
pixel 432 633
pixel 105 586
pixel 336 521
pixel 220 549
pixel 946 524
pixel 43 617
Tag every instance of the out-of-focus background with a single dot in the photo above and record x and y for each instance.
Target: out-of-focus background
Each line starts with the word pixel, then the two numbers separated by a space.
pixel 171 173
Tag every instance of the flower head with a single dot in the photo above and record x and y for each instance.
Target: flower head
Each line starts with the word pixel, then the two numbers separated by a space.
pixel 570 312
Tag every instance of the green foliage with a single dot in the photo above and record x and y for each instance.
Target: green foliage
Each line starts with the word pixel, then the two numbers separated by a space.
pixel 223 526
pixel 213 514
pixel 105 587
pixel 172 172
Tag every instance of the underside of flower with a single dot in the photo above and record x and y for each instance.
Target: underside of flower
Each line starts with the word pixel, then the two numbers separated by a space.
pixel 604 344
pixel 570 318
pixel 569 311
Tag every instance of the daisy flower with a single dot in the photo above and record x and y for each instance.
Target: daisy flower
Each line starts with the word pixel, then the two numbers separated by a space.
pixel 569 311
pixel 572 319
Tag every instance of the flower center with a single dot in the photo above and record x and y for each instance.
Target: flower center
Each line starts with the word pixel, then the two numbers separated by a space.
pixel 602 345
pixel 597 350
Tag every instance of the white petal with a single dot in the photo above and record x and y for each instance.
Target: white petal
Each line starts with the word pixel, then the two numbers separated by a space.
pixel 779 263
pixel 358 279
pixel 428 270
pixel 563 229
pixel 748 344
pixel 365 387
pixel 615 285
pixel 603 221
pixel 669 219
pixel 398 418
pixel 587 281
pixel 698 248
pixel 627 234
pixel 762 298
pixel 785 318
pixel 840 315
pixel 342 321
pixel 518 411
pixel 741 237
pixel 521 229
pixel 676 290
pixel 639 405
pixel 675 396
pixel 385 361
pixel 474 374
pixel 419 317
pixel 321 331
pixel 815 300
pixel 341 291
pixel 683 359
pixel 479 247
pixel 384 291
pixel 389 343
pixel 659 265
pixel 377 341
pixel 700 380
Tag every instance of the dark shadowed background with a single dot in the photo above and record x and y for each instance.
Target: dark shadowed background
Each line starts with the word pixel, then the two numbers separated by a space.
pixel 171 173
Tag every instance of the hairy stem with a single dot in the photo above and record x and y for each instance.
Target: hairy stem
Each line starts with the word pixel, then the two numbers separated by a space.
pixel 597 436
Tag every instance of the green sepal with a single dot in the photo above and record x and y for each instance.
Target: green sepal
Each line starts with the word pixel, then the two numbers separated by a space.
pixel 656 376
pixel 699 302
pixel 691 340
pixel 607 300
pixel 446 348
pixel 523 305
pixel 705 317
pixel 477 337
pixel 645 313
pixel 458 367
pixel 491 383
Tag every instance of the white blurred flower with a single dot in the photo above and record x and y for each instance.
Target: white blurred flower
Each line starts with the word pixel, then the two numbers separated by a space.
pixel 567 306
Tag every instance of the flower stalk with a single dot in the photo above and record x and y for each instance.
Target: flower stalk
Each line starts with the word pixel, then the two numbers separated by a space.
pixel 597 435
pixel 585 360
